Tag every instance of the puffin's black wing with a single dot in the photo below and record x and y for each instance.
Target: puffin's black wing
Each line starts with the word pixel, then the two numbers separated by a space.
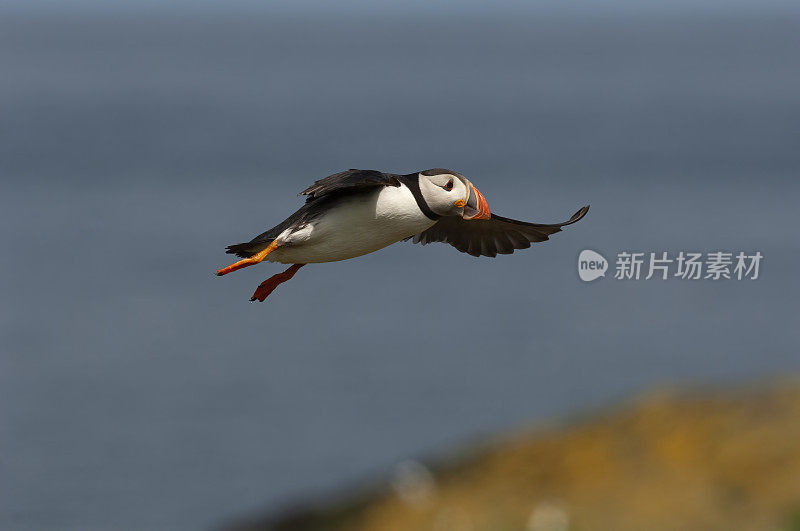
pixel 488 237
pixel 349 180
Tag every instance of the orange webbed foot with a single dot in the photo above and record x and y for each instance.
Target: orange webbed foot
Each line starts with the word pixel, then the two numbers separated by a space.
pixel 255 259
pixel 269 285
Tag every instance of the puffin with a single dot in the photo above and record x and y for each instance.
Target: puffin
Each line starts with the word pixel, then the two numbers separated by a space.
pixel 356 212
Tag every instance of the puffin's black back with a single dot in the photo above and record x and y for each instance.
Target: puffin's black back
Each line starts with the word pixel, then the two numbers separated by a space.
pixel 322 196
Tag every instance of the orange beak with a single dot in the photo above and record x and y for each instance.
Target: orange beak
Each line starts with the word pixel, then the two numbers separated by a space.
pixel 476 206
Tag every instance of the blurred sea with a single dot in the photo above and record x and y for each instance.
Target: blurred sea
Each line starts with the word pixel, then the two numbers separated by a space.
pixel 139 391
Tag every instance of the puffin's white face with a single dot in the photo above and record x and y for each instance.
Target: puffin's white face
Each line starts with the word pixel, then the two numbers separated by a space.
pixel 451 194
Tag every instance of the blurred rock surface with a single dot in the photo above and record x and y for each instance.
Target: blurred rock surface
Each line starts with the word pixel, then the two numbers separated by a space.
pixel 671 460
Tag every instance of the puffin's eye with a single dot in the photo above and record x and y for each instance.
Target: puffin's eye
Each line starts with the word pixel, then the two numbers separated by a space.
pixel 449 185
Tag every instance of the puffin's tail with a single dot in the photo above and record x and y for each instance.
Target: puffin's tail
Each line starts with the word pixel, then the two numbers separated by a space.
pixel 246 250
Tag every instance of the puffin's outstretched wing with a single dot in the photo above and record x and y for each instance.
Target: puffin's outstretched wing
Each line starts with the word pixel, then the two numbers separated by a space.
pixel 349 180
pixel 488 237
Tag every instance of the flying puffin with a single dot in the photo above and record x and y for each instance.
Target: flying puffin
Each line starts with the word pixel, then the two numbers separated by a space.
pixel 355 212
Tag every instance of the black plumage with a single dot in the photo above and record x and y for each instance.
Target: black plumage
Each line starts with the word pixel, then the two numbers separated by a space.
pixel 350 180
pixel 490 237
pixel 322 195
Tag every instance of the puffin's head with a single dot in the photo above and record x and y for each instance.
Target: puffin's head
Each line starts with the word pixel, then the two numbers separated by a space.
pixel 448 193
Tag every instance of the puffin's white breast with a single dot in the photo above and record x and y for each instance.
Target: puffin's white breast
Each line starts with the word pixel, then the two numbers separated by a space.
pixel 357 225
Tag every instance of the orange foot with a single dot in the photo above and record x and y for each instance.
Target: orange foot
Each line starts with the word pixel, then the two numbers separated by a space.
pixel 269 285
pixel 255 259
